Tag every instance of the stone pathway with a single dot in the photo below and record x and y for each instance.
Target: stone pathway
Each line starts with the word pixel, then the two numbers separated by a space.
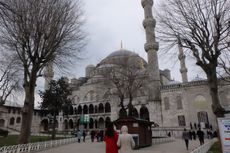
pixel 177 146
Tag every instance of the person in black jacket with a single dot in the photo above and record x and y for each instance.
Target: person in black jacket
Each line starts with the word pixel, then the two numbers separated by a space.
pixel 186 137
pixel 200 135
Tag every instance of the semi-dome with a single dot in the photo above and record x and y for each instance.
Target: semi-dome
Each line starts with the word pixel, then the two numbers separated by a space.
pixel 123 56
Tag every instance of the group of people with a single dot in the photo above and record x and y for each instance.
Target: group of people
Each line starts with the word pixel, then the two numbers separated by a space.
pixel 189 135
pixel 99 135
pixel 80 134
pixel 114 142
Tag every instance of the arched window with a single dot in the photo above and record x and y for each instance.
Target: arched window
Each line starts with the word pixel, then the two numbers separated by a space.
pixel 18 120
pixel 75 110
pixel 91 108
pixel 79 110
pixel 85 109
pixel 101 108
pixel 91 123
pixel 179 102
pixel 95 123
pixel 2 122
pixel 90 96
pixel 135 113
pixel 95 110
pixel 181 120
pixel 101 123
pixel 166 102
pixel 144 113
pixel 66 124
pixel 202 117
pixel 107 107
pixel 44 124
pixel 12 121
pixel 107 120
pixel 71 124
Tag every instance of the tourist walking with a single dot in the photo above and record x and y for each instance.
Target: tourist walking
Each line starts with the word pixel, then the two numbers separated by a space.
pixel 194 135
pixel 125 141
pixel 185 136
pixel 200 135
pixel 110 139
pixel 79 136
pixel 84 135
pixel 92 134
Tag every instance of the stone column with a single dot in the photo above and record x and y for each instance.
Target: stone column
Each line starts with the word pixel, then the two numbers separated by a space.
pixel 181 57
pixel 151 47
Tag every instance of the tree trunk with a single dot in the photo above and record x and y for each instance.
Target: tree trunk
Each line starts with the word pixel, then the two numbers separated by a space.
pixel 54 126
pixel 213 87
pixel 27 111
pixel 130 105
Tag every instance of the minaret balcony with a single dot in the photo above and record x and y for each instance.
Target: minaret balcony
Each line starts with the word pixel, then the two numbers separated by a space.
pixel 149 22
pixel 146 2
pixel 151 46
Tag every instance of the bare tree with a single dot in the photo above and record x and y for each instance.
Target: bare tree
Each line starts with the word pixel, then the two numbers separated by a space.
pixel 9 80
pixel 203 29
pixel 127 80
pixel 37 33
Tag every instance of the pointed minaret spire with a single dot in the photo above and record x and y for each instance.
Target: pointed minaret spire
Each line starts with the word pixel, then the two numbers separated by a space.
pixel 121 45
pixel 181 57
pixel 151 47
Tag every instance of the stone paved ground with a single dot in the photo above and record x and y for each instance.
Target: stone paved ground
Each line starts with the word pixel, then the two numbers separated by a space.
pixel 177 146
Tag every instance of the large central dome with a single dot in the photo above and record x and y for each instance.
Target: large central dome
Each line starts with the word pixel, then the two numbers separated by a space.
pixel 123 56
pixel 122 52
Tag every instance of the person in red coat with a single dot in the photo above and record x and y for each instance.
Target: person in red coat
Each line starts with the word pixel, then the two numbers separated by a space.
pixel 110 139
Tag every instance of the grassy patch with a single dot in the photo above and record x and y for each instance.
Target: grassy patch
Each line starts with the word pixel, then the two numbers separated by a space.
pixel 13 139
pixel 215 148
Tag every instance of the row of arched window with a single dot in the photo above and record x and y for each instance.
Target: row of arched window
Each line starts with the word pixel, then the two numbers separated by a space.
pixel 144 113
pixel 91 109
pixel 12 120
pixel 69 124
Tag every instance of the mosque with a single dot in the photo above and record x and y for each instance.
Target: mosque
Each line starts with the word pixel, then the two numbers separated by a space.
pixel 168 103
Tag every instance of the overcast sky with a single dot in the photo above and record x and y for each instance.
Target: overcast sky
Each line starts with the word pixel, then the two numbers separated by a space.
pixel 108 22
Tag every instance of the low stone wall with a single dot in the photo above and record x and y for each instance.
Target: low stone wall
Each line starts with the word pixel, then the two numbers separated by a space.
pixel 162 140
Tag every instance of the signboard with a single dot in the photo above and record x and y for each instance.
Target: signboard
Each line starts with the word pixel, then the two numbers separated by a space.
pixel 224 127
pixel 84 119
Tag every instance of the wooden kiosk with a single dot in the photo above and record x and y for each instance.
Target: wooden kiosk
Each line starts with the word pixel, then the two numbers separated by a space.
pixel 139 128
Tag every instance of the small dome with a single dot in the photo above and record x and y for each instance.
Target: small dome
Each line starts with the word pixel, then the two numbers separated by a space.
pixel 173 82
pixel 197 78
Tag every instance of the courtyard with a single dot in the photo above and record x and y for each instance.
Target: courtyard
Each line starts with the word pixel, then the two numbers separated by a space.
pixel 177 146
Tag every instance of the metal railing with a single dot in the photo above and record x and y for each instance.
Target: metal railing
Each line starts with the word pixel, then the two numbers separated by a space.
pixel 162 140
pixel 205 147
pixel 38 146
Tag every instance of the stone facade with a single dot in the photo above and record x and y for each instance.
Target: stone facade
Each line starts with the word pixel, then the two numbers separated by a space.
pixel 160 99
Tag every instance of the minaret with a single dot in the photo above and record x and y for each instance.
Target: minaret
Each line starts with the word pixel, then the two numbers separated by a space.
pixel 181 57
pixel 48 75
pixel 151 47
